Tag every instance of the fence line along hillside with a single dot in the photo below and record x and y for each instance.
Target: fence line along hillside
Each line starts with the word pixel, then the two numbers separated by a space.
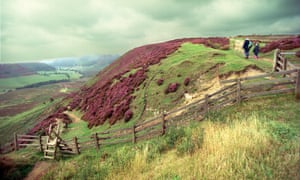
pixel 281 62
pixel 234 91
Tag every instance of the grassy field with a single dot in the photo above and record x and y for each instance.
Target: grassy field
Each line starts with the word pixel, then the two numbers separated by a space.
pixel 7 84
pixel 20 123
pixel 253 140
pixel 20 110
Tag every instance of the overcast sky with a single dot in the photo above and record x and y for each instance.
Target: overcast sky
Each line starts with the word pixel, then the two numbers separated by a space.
pixel 43 29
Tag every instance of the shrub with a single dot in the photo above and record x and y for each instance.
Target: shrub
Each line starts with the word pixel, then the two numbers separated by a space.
pixel 172 87
pixel 160 82
pixel 187 81
pixel 192 141
pixel 128 115
pixel 173 135
pixel 281 132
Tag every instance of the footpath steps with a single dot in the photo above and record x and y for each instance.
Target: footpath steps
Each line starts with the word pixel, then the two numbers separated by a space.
pixel 52 141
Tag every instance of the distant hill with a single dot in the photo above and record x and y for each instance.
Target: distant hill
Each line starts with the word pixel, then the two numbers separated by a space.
pixel 22 69
pixel 87 65
pixel 83 61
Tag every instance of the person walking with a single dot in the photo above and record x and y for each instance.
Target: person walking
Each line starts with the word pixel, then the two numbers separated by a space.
pixel 247 46
pixel 256 50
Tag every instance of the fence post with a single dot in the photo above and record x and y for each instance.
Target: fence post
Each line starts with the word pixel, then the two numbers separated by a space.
pixel 76 145
pixel 284 63
pixel 41 143
pixel 133 134
pixel 297 86
pixel 206 105
pixel 238 91
pixel 96 141
pixel 275 59
pixel 163 125
pixel 16 142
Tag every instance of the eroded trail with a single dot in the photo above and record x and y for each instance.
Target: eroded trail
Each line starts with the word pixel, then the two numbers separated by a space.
pixel 40 169
pixel 72 116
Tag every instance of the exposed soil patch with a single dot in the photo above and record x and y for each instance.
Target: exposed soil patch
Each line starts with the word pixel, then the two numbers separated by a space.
pixel 72 116
pixel 208 87
pixel 40 169
pixel 248 71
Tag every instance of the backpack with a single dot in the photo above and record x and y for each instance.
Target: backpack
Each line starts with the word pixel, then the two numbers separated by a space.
pixel 250 45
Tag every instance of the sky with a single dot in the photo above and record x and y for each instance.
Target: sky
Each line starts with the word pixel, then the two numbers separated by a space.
pixel 45 29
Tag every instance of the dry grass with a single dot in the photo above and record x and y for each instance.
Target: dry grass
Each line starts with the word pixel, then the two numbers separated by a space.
pixel 238 150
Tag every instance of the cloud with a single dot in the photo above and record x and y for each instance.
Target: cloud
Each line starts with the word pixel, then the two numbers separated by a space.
pixel 40 29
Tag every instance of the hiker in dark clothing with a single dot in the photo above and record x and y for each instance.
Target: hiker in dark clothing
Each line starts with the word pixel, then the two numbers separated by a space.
pixel 256 50
pixel 247 46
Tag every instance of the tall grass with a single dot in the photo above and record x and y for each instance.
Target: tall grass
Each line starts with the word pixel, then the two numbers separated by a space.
pixel 235 150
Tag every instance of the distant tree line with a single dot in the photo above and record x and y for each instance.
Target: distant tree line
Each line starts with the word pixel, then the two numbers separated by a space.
pixel 43 83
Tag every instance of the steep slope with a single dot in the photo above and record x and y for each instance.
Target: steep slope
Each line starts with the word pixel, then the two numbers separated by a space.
pixel 155 78
pixel 110 94
pixel 110 97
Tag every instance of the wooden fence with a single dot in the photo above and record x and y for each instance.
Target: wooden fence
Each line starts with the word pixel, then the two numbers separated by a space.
pixel 234 91
pixel 21 141
pixel 238 90
pixel 281 63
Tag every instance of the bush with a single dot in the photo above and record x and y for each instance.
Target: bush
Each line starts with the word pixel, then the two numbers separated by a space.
pixel 193 140
pixel 160 82
pixel 128 115
pixel 187 81
pixel 172 87
pixel 281 132
pixel 173 135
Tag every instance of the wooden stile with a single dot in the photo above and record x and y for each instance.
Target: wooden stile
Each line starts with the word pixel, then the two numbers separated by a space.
pixel 40 143
pixel 275 59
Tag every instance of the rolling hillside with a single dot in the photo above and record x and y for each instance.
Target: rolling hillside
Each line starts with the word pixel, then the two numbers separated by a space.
pixel 255 140
pixel 129 88
pixel 22 69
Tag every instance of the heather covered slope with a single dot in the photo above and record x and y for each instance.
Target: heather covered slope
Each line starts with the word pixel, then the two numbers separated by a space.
pixel 110 97
pixel 154 78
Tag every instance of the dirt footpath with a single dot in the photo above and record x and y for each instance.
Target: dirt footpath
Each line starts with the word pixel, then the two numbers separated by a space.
pixel 40 169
